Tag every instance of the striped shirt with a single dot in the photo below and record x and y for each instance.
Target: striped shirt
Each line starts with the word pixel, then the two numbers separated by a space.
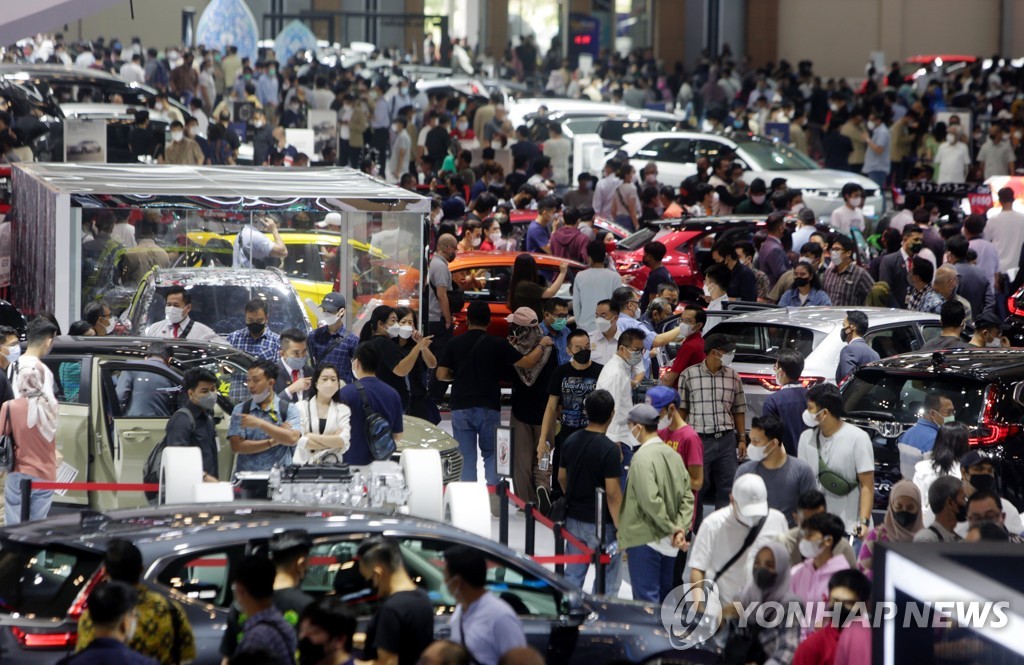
pixel 848 288
pixel 711 400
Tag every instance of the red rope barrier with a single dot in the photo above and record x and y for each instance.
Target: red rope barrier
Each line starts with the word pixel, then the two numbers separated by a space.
pixel 537 515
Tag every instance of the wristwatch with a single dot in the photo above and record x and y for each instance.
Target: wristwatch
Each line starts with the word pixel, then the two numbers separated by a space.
pixel 862 521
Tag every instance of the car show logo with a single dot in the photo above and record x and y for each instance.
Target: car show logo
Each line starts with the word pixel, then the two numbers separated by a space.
pixel 692 614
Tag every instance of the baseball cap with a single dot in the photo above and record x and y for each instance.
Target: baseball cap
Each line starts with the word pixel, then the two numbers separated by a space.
pixel 751 495
pixel 987 320
pixel 723 342
pixel 524 316
pixel 973 458
pixel 331 219
pixel 643 414
pixel 333 302
pixel 661 396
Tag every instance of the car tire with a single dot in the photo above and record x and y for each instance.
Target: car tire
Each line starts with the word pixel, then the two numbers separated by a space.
pixel 422 470
pixel 467 506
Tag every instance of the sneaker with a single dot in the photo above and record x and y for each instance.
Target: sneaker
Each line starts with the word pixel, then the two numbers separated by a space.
pixel 544 500
pixel 495 505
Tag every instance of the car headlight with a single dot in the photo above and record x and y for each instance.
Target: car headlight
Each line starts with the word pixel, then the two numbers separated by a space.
pixel 823 193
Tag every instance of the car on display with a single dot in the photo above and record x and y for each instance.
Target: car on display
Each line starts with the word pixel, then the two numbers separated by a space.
pixel 521 216
pixel 486 276
pixel 886 398
pixel 103 443
pixel 218 298
pixel 87 147
pixel 191 553
pixel 1014 327
pixel 521 109
pixel 816 333
pixel 610 125
pixel 676 155
pixel 688 243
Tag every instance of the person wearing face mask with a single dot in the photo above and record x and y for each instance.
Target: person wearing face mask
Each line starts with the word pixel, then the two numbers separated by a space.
pixel 163 632
pixel 850 215
pixel 790 400
pixel 620 374
pixel 691 350
pixel 113 611
pixel 472 236
pixel 978 473
pixel 841 454
pixel 398 155
pixel 948 502
pixel 256 338
pixel 785 477
pixel 985 506
pixel 677 433
pixel 264 428
pixel 181 149
pixel 903 520
pixel 568 241
pixel 769 582
pixel 394 367
pixel 482 622
pixel 654 253
pixel 772 259
pixel 332 343
pixel 177 323
pixel 938 410
pixel 294 363
pixel 846 283
pixel 857 352
pixel 412 343
pixel 714 403
pixel 657 508
pixel 809 581
pixel 326 630
pixel 846 638
pixel 806 290
pixel 326 421
pixel 192 425
pixel 877 141
pixel 252 248
pixel 98 315
pixel 953 158
pixel 756 202
pixel 264 626
pixel 583 195
pixel 988 332
pixel 146 394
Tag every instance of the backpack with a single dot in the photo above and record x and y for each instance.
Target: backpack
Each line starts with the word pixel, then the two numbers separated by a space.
pixel 379 437
pixel 151 469
pixel 456 297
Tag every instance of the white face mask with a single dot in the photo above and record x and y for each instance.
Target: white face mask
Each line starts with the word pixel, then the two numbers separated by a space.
pixel 405 332
pixel 463 126
pixel 329 319
pixel 810 419
pixel 174 314
pixel 327 388
pixel 261 397
pixel 476 241
pixel 664 422
pixel 837 257
pixel 995 343
pixel 394 330
pixel 951 139
pixel 810 549
pixel 603 325
pixel 856 201
pixel 495 237
pixel 496 145
pixel 13 352
pixel 758 199
pixel 728 358
pixel 109 327
pixel 757 453
pixel 633 441
pixel 707 290
pixel 685 330
pixel 177 136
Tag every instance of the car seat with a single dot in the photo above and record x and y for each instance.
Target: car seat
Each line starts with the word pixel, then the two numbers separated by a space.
pixel 885 347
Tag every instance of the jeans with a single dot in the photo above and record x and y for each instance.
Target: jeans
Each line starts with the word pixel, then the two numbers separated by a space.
pixel 477 427
pixel 576 573
pixel 879 178
pixel 719 467
pixel 39 502
pixel 650 573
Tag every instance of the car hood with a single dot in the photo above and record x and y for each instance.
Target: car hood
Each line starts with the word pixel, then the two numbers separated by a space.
pixel 637 614
pixel 818 179
pixel 421 434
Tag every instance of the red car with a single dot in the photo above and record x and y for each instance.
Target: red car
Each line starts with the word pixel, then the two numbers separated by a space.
pixel 525 216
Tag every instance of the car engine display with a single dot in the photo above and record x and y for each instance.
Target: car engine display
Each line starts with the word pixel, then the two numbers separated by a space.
pixel 379 485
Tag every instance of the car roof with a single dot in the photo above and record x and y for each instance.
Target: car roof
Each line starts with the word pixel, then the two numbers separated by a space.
pixel 208 275
pixel 52 71
pixel 616 114
pixel 825 318
pixel 506 258
pixel 983 364
pixel 136 347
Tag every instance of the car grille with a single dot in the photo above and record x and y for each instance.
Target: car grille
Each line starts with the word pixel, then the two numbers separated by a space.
pixel 451 465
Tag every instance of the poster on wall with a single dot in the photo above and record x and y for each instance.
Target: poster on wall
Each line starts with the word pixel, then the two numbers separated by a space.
pixel 325 131
pixel 85 140
pixel 302 139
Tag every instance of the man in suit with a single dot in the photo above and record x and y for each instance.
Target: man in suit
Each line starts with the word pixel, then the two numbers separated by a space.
pixel 895 268
pixel 857 352
pixel 973 285
pixel 150 394
pixel 294 366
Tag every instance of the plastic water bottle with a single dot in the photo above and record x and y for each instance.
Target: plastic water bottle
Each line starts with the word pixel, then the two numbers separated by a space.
pixel 545 461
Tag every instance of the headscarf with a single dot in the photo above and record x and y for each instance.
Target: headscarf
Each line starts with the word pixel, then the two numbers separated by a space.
pixel 35 385
pixel 526 341
pixel 904 489
pixel 778 592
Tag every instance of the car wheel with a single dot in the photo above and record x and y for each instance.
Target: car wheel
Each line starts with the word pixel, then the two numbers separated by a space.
pixel 422 469
pixel 467 506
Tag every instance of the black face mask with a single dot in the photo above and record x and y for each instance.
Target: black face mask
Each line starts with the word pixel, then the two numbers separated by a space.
pixel 961 513
pixel 311 653
pixel 842 614
pixel 764 578
pixel 801 281
pixel 904 518
pixel 256 328
pixel 983 482
pixel 582 357
pixel 916 247
pixel 844 335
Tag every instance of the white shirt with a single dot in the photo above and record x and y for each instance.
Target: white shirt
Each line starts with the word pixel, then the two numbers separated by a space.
pixel 124 233
pixel 558 150
pixel 249 244
pixel 720 537
pixel 803 233
pixel 953 161
pixel 395 169
pixel 591 287
pixel 603 193
pixel 848 452
pixel 715 306
pixel 339 418
pixel 601 348
pixel 617 379
pixel 200 332
pixel 133 73
pixel 1006 232
pixel 843 220
pixel 901 219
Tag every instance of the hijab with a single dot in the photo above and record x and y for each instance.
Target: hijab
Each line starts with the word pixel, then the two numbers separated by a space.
pixel 526 341
pixel 778 592
pixel 904 489
pixel 35 385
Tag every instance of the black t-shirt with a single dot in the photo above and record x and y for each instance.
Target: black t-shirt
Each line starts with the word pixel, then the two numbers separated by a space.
pixel 290 602
pixel 390 356
pixel 476 368
pixel 529 294
pixel 529 402
pixel 588 459
pixel 403 625
pixel 656 278
pixel 572 386
pixel 437 142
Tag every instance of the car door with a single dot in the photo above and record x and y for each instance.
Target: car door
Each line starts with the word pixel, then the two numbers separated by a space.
pixel 487 284
pixel 893 340
pixel 674 156
pixel 73 385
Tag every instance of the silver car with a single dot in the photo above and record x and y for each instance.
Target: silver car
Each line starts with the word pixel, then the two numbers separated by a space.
pixel 676 155
pixel 816 333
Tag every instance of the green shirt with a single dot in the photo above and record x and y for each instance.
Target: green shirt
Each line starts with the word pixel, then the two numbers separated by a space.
pixel 658 500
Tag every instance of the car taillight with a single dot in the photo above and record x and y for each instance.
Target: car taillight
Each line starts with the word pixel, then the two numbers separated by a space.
pixel 996 432
pixel 767 381
pixel 1014 306
pixel 60 640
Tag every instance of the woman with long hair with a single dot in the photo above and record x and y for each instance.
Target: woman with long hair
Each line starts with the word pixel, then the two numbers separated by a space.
pixel 526 288
pixel 806 290
pixel 410 343
pixel 326 420
pixel 951 443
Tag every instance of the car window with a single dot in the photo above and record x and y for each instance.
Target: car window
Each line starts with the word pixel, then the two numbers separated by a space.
pixel 67 380
pixel 43 580
pixel 767 155
pixel 614 130
pixel 303 262
pixel 488 284
pixel 143 392
pixel 638 239
pixel 762 341
pixel 709 149
pixel 222 306
pixel 893 341
pixel 887 396
pixel 204 577
pixel 676 150
pixel 930 331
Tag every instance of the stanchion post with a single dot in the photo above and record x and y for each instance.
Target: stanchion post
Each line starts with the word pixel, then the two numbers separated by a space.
pixel 26 499
pixel 531 528
pixel 502 491
pixel 559 547
pixel 599 565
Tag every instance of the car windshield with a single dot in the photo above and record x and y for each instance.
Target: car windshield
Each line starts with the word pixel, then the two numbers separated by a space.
pixel 640 238
pixel 222 306
pixel 900 397
pixel 762 341
pixel 42 581
pixel 614 130
pixel 767 155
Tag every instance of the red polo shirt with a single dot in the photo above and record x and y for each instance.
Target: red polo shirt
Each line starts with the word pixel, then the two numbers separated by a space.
pixel 691 352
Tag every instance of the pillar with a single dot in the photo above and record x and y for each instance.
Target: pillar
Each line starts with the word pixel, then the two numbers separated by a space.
pixel 413 33
pixel 669 26
pixel 495 30
pixel 762 31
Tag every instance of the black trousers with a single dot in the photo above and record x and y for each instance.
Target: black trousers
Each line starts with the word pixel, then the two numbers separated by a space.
pixel 442 335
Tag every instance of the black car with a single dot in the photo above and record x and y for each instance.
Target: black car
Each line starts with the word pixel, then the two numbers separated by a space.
pixel 47 569
pixel 1013 329
pixel 986 386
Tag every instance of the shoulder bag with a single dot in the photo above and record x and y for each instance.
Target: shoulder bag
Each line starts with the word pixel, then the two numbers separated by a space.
pixel 829 479
pixel 379 437
pixel 747 542
pixel 7 445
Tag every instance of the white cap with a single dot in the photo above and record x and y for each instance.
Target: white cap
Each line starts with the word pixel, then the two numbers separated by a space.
pixel 332 219
pixel 751 495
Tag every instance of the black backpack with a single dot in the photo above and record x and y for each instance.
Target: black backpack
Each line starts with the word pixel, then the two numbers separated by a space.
pixel 151 469
pixel 379 437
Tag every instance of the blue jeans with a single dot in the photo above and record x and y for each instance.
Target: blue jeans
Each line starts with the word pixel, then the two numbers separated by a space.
pixel 576 573
pixel 650 573
pixel 879 178
pixel 39 502
pixel 477 427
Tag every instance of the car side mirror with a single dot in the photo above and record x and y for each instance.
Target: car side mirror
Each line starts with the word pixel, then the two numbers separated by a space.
pixel 1018 394
pixel 575 610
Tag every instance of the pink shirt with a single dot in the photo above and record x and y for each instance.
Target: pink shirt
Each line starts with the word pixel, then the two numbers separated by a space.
pixel 687 443
pixel 34 454
pixel 854 647
pixel 810 584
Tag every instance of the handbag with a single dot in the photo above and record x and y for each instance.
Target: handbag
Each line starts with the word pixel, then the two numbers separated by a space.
pixel 379 437
pixel 829 479
pixel 7 445
pixel 743 646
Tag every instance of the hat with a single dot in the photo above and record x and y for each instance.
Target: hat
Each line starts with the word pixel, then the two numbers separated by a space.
pixel 331 219
pixel 987 320
pixel 757 186
pixel 661 396
pixel 290 540
pixel 723 342
pixel 973 458
pixel 751 495
pixel 524 316
pixel 333 302
pixel 643 414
